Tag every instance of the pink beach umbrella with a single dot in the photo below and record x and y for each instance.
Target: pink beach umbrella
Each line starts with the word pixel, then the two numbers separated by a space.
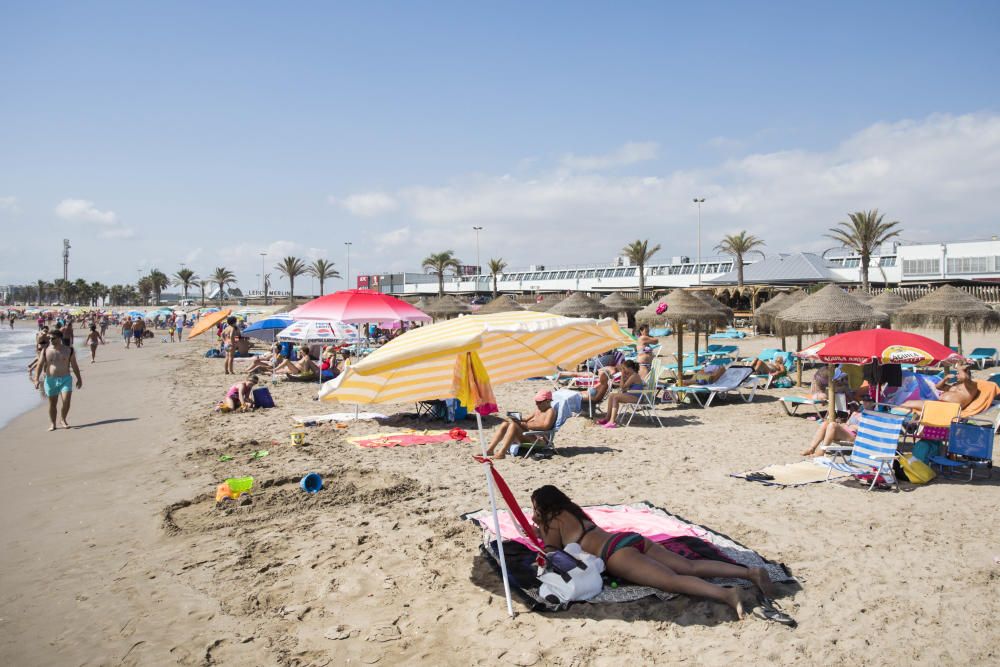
pixel 357 306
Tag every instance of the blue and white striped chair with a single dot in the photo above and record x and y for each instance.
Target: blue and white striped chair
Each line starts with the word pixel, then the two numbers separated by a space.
pixel 874 448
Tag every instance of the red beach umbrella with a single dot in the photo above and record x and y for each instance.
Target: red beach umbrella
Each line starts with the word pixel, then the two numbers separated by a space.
pixel 886 346
pixel 356 306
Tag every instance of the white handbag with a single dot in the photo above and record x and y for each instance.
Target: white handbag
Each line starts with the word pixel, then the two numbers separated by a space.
pixel 570 574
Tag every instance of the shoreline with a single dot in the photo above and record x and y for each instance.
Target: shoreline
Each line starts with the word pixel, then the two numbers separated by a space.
pixel 115 521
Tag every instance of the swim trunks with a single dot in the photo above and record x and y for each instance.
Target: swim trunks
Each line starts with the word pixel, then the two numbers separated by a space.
pixel 60 384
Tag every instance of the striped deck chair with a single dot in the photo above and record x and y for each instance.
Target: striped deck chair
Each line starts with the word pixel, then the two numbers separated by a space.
pixel 873 451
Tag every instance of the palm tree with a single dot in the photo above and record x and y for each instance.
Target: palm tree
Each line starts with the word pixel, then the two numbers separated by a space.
pixel 739 245
pixel 203 283
pixel 42 288
pixel 98 291
pixel 496 267
pixel 160 282
pixel 291 268
pixel 639 252
pixel 321 270
pixel 438 263
pixel 185 279
pixel 223 277
pixel 145 288
pixel 863 233
pixel 61 288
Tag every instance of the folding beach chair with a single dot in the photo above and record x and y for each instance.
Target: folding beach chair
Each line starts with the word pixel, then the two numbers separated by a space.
pixel 981 355
pixel 970 446
pixel 739 379
pixel 935 421
pixel 646 403
pixel 873 451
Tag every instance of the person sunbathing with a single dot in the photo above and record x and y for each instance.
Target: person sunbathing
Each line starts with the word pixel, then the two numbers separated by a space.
pixel 773 369
pixel 821 383
pixel 709 373
pixel 631 384
pixel 833 431
pixel 594 396
pixel 641 561
pixel 963 390
pixel 514 427
pixel 240 395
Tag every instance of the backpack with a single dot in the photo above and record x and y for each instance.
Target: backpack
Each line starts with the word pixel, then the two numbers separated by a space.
pixel 915 470
pixel 570 574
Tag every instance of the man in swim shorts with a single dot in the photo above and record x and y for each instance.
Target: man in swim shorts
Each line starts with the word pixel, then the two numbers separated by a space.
pixel 56 361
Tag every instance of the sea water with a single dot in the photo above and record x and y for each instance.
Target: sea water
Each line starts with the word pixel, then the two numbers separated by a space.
pixel 17 349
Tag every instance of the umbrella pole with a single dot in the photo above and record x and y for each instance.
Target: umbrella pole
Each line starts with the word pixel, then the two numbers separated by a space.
pixel 697 330
pixel 496 519
pixel 958 327
pixel 680 354
pixel 831 412
pixel 798 360
pixel 947 332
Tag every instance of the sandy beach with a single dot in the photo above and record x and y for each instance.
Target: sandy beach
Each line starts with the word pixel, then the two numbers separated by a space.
pixel 114 552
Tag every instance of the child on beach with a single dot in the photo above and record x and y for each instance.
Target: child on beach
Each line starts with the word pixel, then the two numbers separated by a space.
pixel 240 395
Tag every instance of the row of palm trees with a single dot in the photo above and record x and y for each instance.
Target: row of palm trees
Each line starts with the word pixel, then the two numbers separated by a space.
pixel 863 232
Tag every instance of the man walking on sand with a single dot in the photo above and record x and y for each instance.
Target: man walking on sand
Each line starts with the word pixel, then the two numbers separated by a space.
pixel 56 360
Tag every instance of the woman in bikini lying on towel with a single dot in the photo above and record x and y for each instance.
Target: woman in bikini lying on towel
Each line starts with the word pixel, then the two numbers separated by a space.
pixel 631 556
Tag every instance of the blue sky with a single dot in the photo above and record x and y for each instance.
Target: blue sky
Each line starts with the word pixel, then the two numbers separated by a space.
pixel 152 134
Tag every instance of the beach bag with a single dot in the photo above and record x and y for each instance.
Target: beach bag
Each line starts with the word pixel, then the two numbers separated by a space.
pixel 935 433
pixel 213 354
pixel 915 470
pixel 784 382
pixel 570 574
pixel 262 398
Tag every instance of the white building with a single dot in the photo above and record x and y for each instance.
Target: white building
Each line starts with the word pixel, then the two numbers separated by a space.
pixel 893 265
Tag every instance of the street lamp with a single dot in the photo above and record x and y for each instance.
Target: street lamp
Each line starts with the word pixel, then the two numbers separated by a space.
pixel 479 266
pixel 699 202
pixel 261 282
pixel 348 244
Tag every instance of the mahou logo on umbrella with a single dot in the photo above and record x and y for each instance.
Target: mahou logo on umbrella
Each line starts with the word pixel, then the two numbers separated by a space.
pixel 904 354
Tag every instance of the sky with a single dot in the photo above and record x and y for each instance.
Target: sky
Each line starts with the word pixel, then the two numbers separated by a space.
pixel 156 135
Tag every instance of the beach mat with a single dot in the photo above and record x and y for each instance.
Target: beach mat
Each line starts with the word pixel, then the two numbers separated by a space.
pixel 339 417
pixel 794 474
pixel 409 437
pixel 674 533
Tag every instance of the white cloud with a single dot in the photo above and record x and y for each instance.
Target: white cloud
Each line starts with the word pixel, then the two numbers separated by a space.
pixel 631 153
pixel 940 176
pixel 367 204
pixel 106 223
pixel 394 238
pixel 9 204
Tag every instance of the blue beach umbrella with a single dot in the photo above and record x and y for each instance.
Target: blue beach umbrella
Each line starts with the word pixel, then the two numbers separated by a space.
pixel 267 329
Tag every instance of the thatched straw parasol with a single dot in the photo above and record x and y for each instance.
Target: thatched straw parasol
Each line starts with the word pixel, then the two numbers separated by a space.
pixel 501 304
pixel 547 302
pixel 945 305
pixel 830 310
pixel 887 302
pixel 618 303
pixel 578 305
pixel 682 308
pixel 445 307
pixel 863 297
pixel 712 302
pixel 763 317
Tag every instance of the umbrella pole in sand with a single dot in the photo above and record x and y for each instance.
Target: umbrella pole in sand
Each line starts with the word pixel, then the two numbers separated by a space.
pixel 696 332
pixel 680 354
pixel 958 327
pixel 496 519
pixel 947 332
pixel 831 412
pixel 798 360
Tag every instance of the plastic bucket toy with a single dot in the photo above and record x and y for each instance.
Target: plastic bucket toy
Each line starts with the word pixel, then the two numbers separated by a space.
pixel 311 483
pixel 233 487
pixel 298 437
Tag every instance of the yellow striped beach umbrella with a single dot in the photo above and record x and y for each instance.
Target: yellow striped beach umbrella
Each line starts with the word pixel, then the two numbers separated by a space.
pixel 420 364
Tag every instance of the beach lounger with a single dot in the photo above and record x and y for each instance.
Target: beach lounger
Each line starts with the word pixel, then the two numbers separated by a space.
pixel 728 333
pixel 970 447
pixel 873 450
pixel 981 355
pixel 716 350
pixel 656 333
pixel 739 379
pixel 791 404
